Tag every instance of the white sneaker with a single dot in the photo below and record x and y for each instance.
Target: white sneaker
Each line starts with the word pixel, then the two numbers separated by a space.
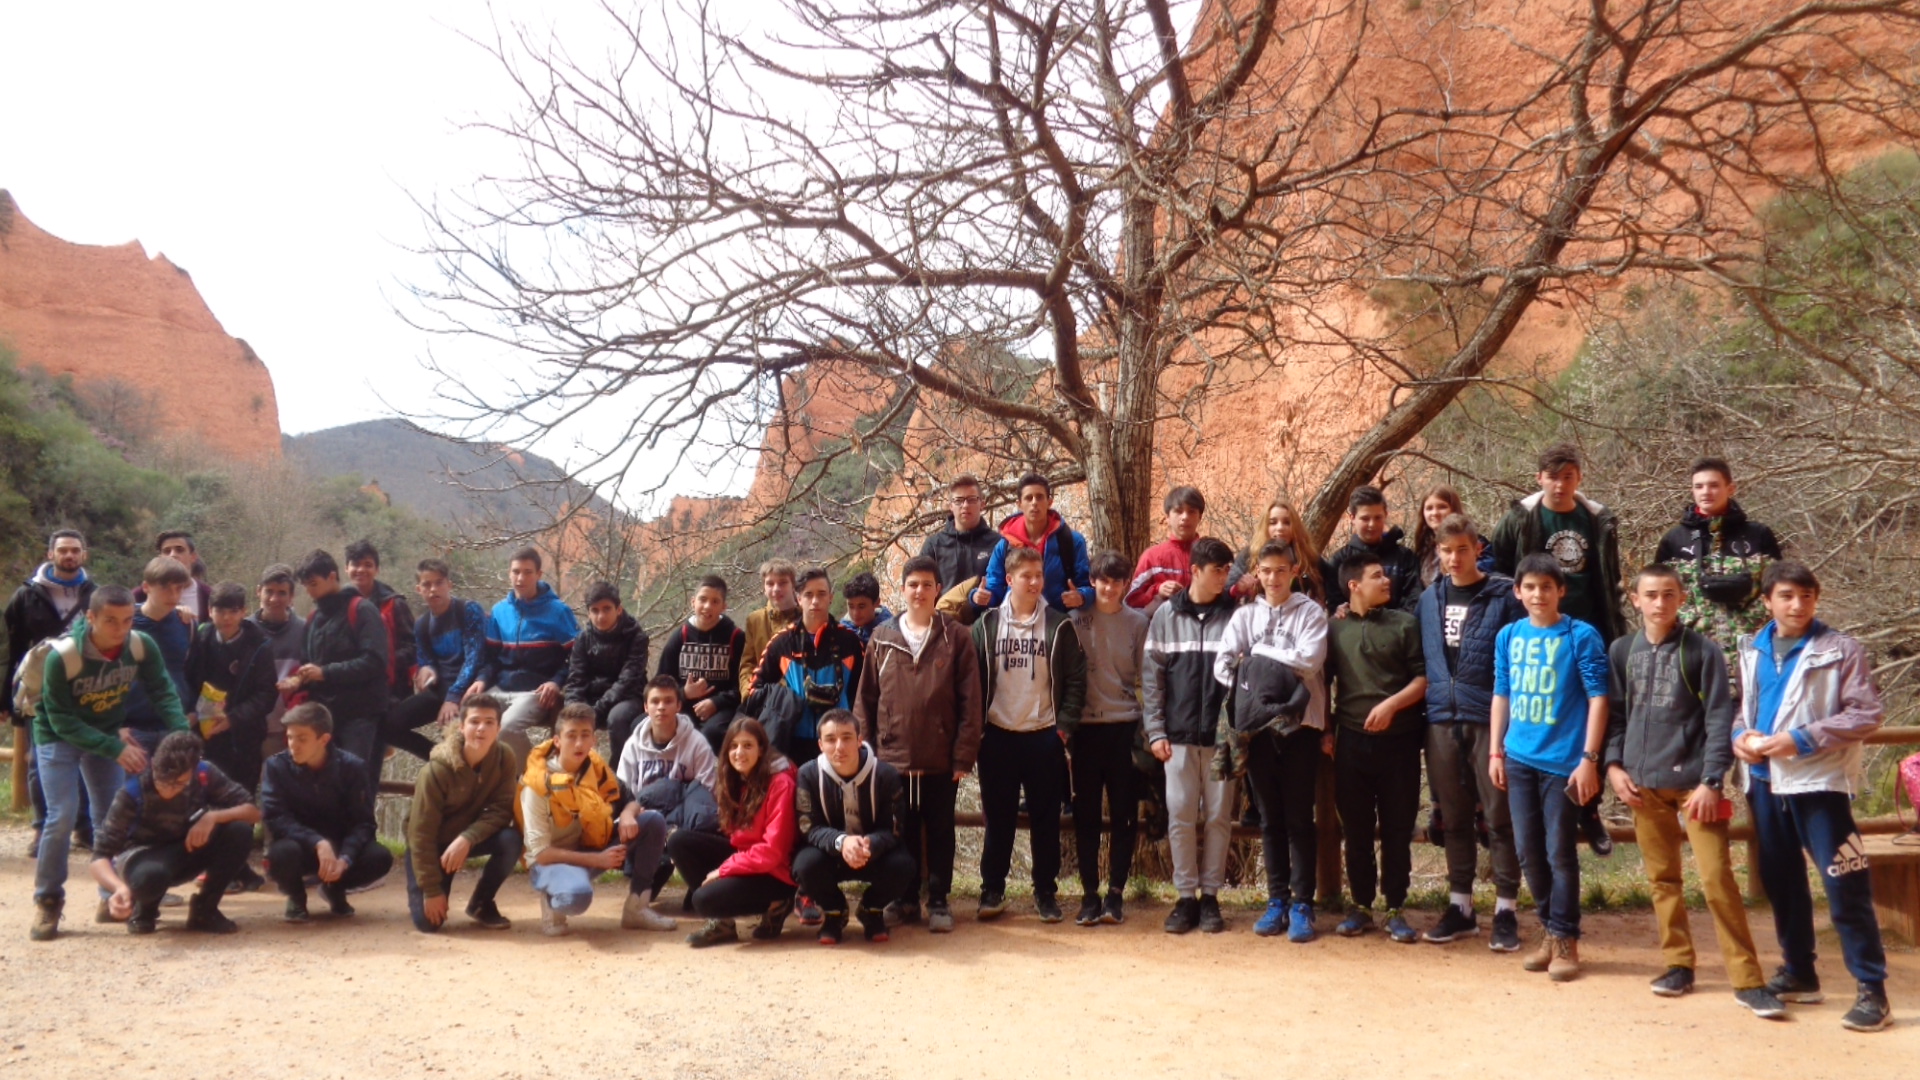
pixel 552 923
pixel 639 915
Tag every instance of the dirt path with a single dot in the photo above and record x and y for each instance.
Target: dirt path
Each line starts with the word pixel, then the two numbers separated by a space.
pixel 375 999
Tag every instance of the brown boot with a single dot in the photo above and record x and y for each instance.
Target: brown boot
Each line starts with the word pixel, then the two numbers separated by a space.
pixel 1540 958
pixel 46 920
pixel 1565 966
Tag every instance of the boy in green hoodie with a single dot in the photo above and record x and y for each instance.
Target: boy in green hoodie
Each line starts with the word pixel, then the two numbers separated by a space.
pixel 78 734
pixel 463 808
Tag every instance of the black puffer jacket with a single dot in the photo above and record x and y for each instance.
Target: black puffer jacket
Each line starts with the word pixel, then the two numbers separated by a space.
pixel 605 669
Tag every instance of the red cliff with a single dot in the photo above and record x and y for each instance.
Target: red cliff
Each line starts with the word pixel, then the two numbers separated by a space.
pixel 115 320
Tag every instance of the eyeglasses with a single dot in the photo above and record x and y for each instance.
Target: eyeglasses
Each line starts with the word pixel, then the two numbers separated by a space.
pixel 968 500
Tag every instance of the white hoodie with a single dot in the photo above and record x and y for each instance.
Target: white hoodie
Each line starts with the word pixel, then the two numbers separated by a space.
pixel 1295 634
pixel 685 757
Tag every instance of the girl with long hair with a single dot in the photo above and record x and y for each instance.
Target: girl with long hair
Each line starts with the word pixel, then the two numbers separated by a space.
pixel 1285 525
pixel 746 868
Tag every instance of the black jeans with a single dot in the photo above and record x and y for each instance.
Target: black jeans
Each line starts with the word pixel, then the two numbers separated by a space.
pixel 236 751
pixel 821 872
pixel 1283 771
pixel 290 861
pixel 501 850
pixel 1376 786
pixel 150 872
pixel 620 721
pixel 1103 765
pixel 715 729
pixel 361 738
pixel 926 815
pixel 697 854
pixel 1009 762
pixel 400 728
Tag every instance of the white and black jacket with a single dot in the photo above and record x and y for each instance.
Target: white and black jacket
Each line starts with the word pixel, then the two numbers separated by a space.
pixel 821 804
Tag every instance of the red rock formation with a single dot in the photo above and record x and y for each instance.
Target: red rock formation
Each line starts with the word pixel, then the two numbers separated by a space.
pixel 121 323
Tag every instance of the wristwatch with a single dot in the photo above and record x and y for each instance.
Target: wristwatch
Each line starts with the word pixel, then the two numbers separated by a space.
pixel 1591 755
pixel 1714 782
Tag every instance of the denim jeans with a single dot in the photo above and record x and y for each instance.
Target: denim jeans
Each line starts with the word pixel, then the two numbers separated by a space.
pixel 646 852
pixel 1546 831
pixel 501 850
pixel 63 769
pixel 1820 824
pixel 569 888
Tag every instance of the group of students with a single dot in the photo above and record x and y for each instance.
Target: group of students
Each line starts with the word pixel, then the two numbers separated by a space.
pixel 770 765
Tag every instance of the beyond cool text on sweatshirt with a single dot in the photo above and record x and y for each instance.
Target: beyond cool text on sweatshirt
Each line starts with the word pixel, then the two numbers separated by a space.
pixel 1547 674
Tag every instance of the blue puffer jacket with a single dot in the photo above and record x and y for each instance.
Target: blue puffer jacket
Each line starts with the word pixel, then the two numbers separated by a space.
pixel 1465 696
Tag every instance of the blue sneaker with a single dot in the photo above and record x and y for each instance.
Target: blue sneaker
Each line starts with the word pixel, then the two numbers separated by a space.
pixel 1274 921
pixel 1300 924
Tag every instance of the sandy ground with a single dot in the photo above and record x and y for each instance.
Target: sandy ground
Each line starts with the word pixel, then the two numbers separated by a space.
pixel 369 997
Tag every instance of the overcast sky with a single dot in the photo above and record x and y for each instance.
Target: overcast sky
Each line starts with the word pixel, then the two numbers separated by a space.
pixel 270 150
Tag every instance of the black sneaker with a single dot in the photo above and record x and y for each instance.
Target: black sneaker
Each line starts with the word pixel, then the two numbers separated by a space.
pixel 1595 830
pixel 1211 921
pixel 245 881
pixel 336 897
pixel 296 912
pixel 1870 1012
pixel 488 915
pixel 992 906
pixel 810 913
pixel 145 919
pixel 1089 912
pixel 1760 1003
pixel 1676 982
pixel 206 918
pixel 1506 931
pixel 1113 911
pixel 1794 990
pixel 1048 908
pixel 1453 924
pixel 873 925
pixel 833 927
pixel 1184 916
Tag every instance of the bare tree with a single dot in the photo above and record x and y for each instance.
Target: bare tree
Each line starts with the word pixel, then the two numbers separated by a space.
pixel 1075 221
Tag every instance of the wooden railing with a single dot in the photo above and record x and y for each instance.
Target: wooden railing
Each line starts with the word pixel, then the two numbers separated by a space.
pixel 1328 821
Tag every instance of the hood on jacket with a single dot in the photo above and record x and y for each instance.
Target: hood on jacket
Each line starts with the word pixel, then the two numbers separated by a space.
pixel 1015 530
pixel 452 750
pixel 382 592
pixel 1183 603
pixel 1389 542
pixel 45 576
pixel 1731 521
pixel 624 627
pixel 683 729
pixel 1533 501
pixel 541 599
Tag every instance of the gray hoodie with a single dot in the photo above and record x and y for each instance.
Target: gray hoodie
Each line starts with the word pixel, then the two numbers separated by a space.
pixel 687 757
